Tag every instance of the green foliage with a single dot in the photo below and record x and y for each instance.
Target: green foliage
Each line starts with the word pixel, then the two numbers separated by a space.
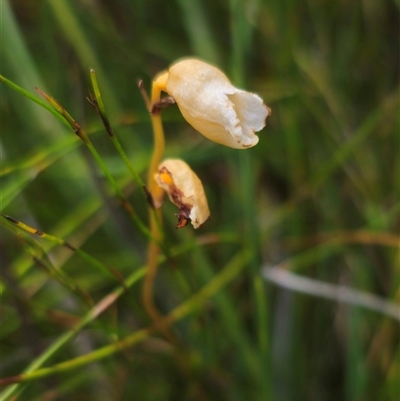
pixel 318 197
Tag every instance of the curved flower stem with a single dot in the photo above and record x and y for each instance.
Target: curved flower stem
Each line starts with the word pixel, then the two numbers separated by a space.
pixel 159 142
pixel 155 215
pixel 152 266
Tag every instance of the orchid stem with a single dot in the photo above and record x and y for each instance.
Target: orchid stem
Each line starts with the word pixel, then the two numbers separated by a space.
pixel 155 215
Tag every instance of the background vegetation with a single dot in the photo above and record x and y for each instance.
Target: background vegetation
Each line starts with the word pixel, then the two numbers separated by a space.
pixel 317 198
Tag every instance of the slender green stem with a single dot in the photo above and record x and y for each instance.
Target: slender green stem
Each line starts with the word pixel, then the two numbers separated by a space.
pixel 241 36
pixel 98 104
pixel 56 273
pixel 90 259
pixel 56 346
pixel 83 136
pixel 262 313
pixel 227 274
pixel 128 207
pixel 101 306
pixel 35 99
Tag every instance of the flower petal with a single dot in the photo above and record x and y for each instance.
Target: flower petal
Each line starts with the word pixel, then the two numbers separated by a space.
pixel 213 106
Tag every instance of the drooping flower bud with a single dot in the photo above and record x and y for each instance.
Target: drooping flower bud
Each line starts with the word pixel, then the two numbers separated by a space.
pixel 212 105
pixel 185 190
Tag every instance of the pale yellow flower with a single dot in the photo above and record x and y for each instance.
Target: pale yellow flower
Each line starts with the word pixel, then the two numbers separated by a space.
pixel 212 105
pixel 185 190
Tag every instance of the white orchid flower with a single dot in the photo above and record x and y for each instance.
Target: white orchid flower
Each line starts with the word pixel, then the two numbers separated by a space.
pixel 185 190
pixel 212 105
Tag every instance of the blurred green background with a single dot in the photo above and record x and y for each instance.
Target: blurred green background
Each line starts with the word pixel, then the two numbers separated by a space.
pixel 317 197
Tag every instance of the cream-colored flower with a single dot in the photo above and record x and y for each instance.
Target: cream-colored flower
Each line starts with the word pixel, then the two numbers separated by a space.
pixel 212 105
pixel 185 190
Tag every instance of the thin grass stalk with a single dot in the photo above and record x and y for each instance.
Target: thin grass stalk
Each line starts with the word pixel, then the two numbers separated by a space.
pixel 227 274
pixel 83 136
pixel 60 241
pixel 44 262
pixel 98 309
pixel 241 38
pixel 57 345
pixel 97 103
pixel 34 99
pixel 77 217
